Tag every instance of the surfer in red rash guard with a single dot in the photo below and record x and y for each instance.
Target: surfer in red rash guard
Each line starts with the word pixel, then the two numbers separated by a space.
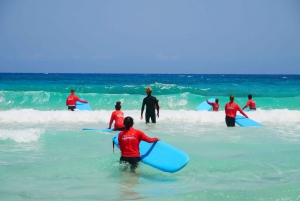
pixel 230 110
pixel 118 117
pixel 71 100
pixel 250 103
pixel 129 140
pixel 215 104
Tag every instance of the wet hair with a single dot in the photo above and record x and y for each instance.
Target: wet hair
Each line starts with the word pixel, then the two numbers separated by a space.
pixel 231 97
pixel 118 105
pixel 250 96
pixel 217 100
pixel 148 90
pixel 72 90
pixel 128 122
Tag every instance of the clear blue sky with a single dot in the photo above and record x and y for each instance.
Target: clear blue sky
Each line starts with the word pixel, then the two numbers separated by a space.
pixel 157 36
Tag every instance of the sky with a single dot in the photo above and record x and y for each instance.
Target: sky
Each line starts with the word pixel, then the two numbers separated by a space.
pixel 150 36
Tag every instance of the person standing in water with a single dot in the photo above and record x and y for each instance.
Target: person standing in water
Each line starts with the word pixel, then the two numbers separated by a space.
pixel 230 110
pixel 250 103
pixel 129 140
pixel 215 104
pixel 118 117
pixel 151 103
pixel 71 100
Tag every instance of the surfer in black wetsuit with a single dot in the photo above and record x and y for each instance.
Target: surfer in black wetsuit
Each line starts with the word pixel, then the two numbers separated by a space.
pixel 151 103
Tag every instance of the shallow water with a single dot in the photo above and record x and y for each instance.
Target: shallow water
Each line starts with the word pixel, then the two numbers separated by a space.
pixel 45 155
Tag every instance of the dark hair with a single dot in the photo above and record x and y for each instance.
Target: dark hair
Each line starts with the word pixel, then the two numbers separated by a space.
pixel 217 100
pixel 118 105
pixel 128 122
pixel 231 98
pixel 250 96
pixel 72 90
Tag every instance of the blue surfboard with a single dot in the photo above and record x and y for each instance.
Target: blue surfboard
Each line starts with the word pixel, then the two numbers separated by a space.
pixel 205 106
pixel 245 122
pixel 160 155
pixel 82 106
pixel 98 129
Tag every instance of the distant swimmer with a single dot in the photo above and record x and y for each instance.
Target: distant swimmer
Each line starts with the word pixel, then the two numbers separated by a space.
pixel 129 140
pixel 215 104
pixel 151 104
pixel 71 100
pixel 118 117
pixel 230 110
pixel 250 103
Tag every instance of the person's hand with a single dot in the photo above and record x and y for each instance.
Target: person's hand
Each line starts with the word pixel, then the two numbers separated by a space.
pixel 158 139
pixel 157 115
pixel 141 116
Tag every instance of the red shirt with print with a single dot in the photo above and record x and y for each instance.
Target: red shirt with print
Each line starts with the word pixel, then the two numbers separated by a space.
pixel 118 117
pixel 214 105
pixel 129 141
pixel 71 100
pixel 231 108
pixel 251 104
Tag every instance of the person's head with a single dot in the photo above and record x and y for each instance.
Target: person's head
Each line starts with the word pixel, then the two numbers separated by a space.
pixel 249 96
pixel 72 91
pixel 231 98
pixel 118 105
pixel 148 90
pixel 128 122
pixel 217 100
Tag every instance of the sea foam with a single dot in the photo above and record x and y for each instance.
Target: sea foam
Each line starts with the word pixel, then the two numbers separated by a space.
pixel 21 135
pixel 167 116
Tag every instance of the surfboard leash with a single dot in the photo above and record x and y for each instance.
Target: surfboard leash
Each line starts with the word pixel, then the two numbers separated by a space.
pixel 113 147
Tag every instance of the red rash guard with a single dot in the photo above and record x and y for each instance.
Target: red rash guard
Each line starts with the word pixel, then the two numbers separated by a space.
pixel 71 100
pixel 129 141
pixel 214 105
pixel 118 117
pixel 231 108
pixel 251 104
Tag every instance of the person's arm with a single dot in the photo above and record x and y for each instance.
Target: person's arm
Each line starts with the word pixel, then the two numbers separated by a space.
pixel 248 103
pixel 157 107
pixel 242 112
pixel 142 110
pixel 144 137
pixel 78 99
pixel 111 120
pixel 83 101
pixel 210 103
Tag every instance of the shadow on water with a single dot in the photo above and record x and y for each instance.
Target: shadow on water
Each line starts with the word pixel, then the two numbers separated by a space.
pixel 128 186
pixel 144 182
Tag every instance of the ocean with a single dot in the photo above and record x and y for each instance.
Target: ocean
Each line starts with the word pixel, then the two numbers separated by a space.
pixel 45 154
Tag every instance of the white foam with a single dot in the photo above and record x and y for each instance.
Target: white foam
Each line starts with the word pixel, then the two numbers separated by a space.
pixel 169 116
pixel 21 135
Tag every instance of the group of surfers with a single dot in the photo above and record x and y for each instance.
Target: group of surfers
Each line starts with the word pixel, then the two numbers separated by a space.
pixel 129 138
pixel 231 109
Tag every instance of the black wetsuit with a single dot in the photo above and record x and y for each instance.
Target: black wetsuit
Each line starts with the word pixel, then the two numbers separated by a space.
pixel 150 101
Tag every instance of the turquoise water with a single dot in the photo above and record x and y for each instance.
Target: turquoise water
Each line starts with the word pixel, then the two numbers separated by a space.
pixel 45 155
